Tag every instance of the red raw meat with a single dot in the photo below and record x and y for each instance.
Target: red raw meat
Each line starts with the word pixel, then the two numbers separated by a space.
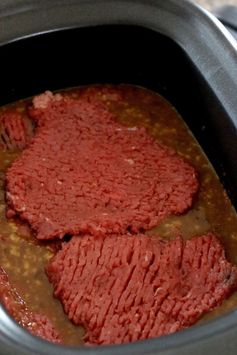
pixel 127 288
pixel 37 324
pixel 15 130
pixel 83 172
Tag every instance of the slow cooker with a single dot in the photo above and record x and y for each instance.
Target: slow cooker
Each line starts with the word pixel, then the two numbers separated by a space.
pixel 172 47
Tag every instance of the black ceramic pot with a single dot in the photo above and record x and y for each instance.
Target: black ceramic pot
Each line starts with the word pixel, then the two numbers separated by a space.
pixel 170 46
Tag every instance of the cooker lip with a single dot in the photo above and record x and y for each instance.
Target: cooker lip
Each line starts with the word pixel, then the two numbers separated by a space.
pixel 10 332
pixel 30 9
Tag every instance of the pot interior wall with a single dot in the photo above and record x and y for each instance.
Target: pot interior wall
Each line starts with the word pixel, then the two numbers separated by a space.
pixel 122 54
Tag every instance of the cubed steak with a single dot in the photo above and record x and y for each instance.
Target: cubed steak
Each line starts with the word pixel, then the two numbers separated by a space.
pixel 127 288
pixel 15 130
pixel 84 172
pixel 37 324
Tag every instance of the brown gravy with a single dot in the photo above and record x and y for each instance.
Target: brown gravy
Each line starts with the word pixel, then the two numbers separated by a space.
pixel 24 258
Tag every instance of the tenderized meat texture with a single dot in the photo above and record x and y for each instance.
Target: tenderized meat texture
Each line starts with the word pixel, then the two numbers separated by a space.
pixel 37 324
pixel 83 172
pixel 15 130
pixel 128 288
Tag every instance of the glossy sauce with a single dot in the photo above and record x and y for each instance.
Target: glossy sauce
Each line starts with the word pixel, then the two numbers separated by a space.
pixel 24 258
